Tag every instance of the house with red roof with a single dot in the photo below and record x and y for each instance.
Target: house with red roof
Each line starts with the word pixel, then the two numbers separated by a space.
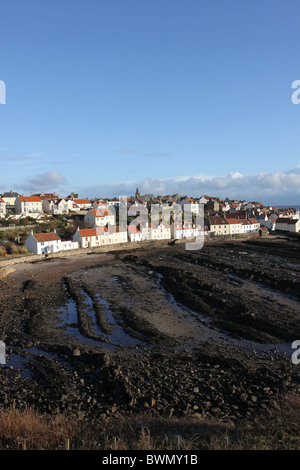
pixel 57 205
pixel 28 206
pixel 246 225
pixel 187 230
pixel 100 217
pixel 99 236
pixel 139 231
pixel 190 205
pixel 83 204
pixel 46 243
pixel 160 231
pixel 235 225
pixel 255 225
pixel 135 233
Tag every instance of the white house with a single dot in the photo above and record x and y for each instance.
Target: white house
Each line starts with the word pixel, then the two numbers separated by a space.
pixel 189 205
pixel 134 233
pixel 99 236
pixel 99 204
pixel 255 225
pixel 288 225
pixel 47 204
pixel 105 203
pixel 203 200
pixel 160 231
pixel 100 217
pixel 46 243
pixel 86 237
pixel 83 204
pixel 28 205
pixel 113 202
pixel 138 232
pixel 246 225
pixel 235 226
pixel 57 206
pixel 294 225
pixel 282 223
pixel 118 235
pixel 2 208
pixel 187 230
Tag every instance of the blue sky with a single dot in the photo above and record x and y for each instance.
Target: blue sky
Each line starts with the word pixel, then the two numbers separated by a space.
pixel 188 96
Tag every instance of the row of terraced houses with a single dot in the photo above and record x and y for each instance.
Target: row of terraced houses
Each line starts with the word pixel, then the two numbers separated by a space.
pixel 101 229
pixel 101 225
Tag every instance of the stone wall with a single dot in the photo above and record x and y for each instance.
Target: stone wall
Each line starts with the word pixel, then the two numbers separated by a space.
pixel 31 258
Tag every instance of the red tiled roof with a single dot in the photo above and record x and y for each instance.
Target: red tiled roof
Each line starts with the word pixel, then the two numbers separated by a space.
pixel 88 232
pixel 46 237
pixel 233 221
pixel 30 198
pixel 81 201
pixel 101 212
pixel 94 211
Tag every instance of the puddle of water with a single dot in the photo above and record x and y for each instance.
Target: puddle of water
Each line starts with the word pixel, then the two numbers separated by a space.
pixel 20 362
pixel 118 336
pixel 16 361
pixel 92 316
pixel 69 322
pixel 283 348
pixel 293 265
pixel 215 335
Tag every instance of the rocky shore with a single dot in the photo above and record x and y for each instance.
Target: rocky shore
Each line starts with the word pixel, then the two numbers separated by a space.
pixel 163 331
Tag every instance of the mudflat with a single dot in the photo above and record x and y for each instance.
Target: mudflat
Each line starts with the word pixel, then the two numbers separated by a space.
pixel 157 329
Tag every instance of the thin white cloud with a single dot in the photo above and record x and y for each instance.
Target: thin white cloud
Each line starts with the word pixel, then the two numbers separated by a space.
pixel 21 159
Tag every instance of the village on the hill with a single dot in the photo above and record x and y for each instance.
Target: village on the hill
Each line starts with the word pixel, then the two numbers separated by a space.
pixel 99 222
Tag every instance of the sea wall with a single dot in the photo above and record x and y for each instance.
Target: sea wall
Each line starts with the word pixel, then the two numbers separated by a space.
pixel 31 258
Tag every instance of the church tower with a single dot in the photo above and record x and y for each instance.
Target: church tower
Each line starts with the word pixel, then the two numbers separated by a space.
pixel 137 194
